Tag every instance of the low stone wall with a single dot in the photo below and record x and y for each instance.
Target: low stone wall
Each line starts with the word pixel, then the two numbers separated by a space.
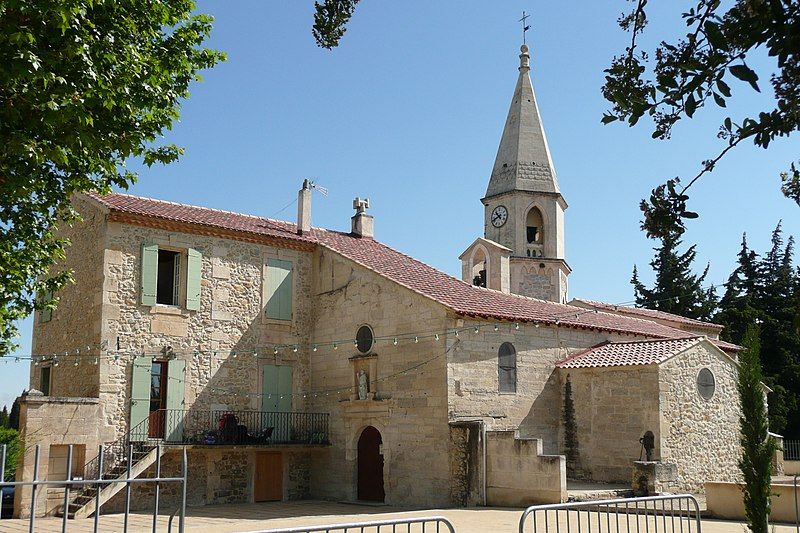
pixel 519 474
pixel 724 500
pixel 791 468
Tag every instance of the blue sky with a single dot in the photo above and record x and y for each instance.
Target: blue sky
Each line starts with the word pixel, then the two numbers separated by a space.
pixel 408 111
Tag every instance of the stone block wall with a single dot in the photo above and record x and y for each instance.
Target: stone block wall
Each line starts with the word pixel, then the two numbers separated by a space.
pixel 46 421
pixel 231 319
pixel 76 323
pixel 614 407
pixel 408 385
pixel 519 474
pixel 700 436
pixel 535 408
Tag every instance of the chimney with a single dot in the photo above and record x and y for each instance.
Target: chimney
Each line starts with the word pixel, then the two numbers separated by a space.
pixel 362 224
pixel 304 208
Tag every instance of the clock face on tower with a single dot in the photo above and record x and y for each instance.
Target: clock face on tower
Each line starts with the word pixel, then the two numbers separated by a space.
pixel 499 216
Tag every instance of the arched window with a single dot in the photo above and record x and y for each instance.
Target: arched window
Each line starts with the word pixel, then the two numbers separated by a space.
pixel 507 368
pixel 364 339
pixel 479 267
pixel 534 226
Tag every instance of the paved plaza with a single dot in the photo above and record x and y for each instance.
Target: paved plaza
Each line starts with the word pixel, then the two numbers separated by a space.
pixel 261 516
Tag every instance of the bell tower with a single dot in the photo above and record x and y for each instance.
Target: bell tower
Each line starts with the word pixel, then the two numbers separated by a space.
pixel 524 208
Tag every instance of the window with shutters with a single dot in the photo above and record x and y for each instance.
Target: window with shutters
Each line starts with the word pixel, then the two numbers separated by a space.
pixel 279 290
pixel 507 368
pixel 171 277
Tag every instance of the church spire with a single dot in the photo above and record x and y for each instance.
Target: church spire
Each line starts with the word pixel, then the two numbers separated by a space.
pixel 523 161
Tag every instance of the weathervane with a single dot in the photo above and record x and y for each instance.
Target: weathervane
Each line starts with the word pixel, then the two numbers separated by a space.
pixel 525 27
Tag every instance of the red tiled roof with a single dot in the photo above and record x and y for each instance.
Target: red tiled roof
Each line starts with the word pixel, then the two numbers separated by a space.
pixel 651 313
pixel 652 352
pixel 463 298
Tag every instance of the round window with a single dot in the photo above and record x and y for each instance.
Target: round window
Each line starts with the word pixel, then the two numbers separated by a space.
pixel 364 339
pixel 705 384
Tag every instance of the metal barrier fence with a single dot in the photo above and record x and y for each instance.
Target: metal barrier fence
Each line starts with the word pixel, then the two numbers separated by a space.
pixel 651 514
pixel 98 484
pixel 791 450
pixel 796 504
pixel 401 525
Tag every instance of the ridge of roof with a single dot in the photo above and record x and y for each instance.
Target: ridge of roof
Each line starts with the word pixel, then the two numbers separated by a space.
pixel 654 313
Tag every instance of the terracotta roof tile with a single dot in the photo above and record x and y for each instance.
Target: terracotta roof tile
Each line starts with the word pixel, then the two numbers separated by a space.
pixel 462 298
pixel 652 352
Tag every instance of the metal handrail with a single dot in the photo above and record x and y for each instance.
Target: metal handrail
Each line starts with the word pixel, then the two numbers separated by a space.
pixel 377 524
pixel 630 504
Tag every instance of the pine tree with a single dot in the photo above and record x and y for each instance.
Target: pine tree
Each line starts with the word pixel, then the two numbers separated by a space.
pixel 766 291
pixel 758 446
pixel 676 290
pixel 738 308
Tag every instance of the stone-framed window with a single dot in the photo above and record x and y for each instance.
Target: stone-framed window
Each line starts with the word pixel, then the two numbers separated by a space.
pixel 507 368
pixel 171 276
pixel 365 339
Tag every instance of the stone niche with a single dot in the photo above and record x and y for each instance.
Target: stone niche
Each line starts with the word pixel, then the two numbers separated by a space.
pixel 369 365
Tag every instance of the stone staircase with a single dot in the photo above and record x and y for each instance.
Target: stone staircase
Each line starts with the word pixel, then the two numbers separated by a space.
pixel 84 503
pixel 583 491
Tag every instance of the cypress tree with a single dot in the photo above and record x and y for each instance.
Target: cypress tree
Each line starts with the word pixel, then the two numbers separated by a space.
pixel 4 417
pixel 758 446
pixel 13 416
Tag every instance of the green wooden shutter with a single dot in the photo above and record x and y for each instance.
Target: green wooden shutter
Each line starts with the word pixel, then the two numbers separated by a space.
pixel 149 273
pixel 46 314
pixel 269 397
pixel 140 398
pixel 176 400
pixel 194 271
pixel 279 289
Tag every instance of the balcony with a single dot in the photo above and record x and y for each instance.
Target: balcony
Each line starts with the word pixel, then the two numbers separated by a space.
pixel 220 428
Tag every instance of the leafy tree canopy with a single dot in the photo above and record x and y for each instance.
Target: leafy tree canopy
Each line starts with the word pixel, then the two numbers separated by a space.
pixel 330 21
pixel 85 86
pixel 713 59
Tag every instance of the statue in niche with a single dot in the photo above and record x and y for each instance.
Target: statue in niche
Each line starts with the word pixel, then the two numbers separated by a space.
pixel 363 384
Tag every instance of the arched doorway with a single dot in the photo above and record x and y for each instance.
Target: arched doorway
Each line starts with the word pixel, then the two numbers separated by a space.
pixel 370 466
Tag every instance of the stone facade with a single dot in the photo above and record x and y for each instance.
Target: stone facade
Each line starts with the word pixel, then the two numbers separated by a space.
pixel 409 409
pixel 614 407
pixel 700 436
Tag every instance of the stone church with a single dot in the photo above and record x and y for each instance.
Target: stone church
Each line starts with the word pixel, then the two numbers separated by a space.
pixel 298 362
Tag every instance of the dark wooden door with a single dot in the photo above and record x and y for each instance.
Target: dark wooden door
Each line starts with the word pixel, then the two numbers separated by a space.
pixel 370 466
pixel 269 477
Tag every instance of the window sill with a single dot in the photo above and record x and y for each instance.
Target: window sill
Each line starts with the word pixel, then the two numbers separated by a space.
pixel 162 309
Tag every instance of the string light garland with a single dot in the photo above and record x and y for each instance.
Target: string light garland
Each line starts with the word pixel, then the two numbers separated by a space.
pixel 553 319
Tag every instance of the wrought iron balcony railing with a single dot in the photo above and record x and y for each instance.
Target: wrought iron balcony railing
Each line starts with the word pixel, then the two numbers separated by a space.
pixel 219 427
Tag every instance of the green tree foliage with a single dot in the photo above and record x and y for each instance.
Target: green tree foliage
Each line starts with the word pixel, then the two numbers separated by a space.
pixel 707 65
pixel 676 289
pixel 570 430
pixel 13 416
pixel 4 417
pixel 758 446
pixel 85 86
pixel 10 437
pixel 330 21
pixel 766 290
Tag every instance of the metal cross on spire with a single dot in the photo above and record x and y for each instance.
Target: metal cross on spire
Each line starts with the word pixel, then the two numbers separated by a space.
pixel 525 26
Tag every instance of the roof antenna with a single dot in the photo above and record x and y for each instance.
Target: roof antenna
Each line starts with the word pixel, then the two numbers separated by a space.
pixel 313 185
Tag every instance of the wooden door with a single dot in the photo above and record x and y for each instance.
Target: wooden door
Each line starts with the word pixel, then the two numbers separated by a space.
pixel 370 466
pixel 158 399
pixel 269 477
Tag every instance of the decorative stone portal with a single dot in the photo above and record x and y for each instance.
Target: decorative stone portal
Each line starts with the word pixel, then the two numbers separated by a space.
pixel 370 466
